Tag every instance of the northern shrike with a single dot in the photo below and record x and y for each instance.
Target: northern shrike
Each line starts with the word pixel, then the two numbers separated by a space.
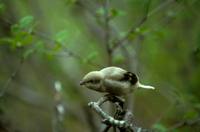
pixel 113 80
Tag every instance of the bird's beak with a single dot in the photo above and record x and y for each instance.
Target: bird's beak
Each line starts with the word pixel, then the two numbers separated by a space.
pixel 145 86
pixel 82 83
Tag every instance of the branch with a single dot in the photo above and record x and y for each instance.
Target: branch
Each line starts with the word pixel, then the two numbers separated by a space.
pixel 47 38
pixel 59 110
pixel 106 118
pixel 141 22
pixel 69 52
pixel 122 120
pixel 107 31
pixel 11 78
pixel 180 124
pixel 50 40
pixel 104 28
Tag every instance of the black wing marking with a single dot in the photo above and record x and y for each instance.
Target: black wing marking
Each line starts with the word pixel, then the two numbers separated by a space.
pixel 131 77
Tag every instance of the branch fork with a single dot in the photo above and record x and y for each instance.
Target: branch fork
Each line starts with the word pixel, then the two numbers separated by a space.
pixel 122 118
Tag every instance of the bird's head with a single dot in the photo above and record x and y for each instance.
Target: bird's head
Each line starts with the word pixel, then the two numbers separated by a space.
pixel 92 80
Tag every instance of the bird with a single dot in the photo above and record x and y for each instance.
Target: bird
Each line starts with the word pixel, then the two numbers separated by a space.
pixel 113 80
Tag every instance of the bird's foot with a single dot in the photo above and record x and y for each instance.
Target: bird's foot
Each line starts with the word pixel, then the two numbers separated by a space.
pixel 115 99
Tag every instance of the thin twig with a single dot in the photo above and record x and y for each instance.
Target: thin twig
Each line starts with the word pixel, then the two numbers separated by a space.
pixel 107 128
pixel 69 52
pixel 50 40
pixel 141 22
pixel 46 37
pixel 107 31
pixel 160 7
pixel 12 77
pixel 185 123
pixel 59 110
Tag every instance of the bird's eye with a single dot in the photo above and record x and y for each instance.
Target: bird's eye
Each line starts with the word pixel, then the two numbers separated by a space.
pixel 94 81
pixel 97 81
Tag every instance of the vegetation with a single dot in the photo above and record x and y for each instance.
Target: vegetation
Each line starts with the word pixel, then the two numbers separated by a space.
pixel 47 46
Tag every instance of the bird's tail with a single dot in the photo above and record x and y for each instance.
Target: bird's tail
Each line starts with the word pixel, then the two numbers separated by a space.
pixel 145 86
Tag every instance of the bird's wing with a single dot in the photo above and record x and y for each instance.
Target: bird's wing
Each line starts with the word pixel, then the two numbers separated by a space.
pixel 119 74
pixel 131 77
pixel 113 73
pixel 116 87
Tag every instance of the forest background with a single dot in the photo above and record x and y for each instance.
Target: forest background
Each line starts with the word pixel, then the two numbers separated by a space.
pixel 47 46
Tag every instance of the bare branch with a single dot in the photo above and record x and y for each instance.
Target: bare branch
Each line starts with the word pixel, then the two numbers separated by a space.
pixel 160 7
pixel 107 31
pixel 123 119
pixel 181 124
pixel 11 78
pixel 59 109
pixel 107 118
pixel 134 28
pixel 69 52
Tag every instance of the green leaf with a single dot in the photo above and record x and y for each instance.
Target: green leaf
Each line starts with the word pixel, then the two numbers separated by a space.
pixel 143 30
pixel 122 34
pixel 160 127
pixel 114 13
pixel 100 11
pixel 6 40
pixel 2 7
pixel 132 36
pixel 57 47
pixel 69 2
pixel 119 59
pixel 191 114
pixel 137 31
pixel 197 106
pixel 28 52
pixel 22 39
pixel 90 57
pixel 15 28
pixel 26 22
pixel 39 46
pixel 21 32
pixel 62 36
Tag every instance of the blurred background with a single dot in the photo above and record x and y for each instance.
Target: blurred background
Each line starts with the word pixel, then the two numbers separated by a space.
pixel 47 46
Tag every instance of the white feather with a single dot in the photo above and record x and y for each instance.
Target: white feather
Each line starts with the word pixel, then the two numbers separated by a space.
pixel 144 86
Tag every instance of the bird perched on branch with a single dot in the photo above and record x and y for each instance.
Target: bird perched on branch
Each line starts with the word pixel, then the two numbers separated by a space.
pixel 113 80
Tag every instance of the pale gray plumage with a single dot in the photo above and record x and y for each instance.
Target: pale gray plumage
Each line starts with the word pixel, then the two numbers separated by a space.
pixel 112 80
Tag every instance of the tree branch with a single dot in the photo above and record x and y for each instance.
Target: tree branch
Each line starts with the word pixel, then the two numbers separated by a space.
pixel 50 40
pixel 122 120
pixel 134 28
pixel 107 31
pixel 69 52
pixel 181 124
pixel 11 78
pixel 106 118
pixel 59 109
